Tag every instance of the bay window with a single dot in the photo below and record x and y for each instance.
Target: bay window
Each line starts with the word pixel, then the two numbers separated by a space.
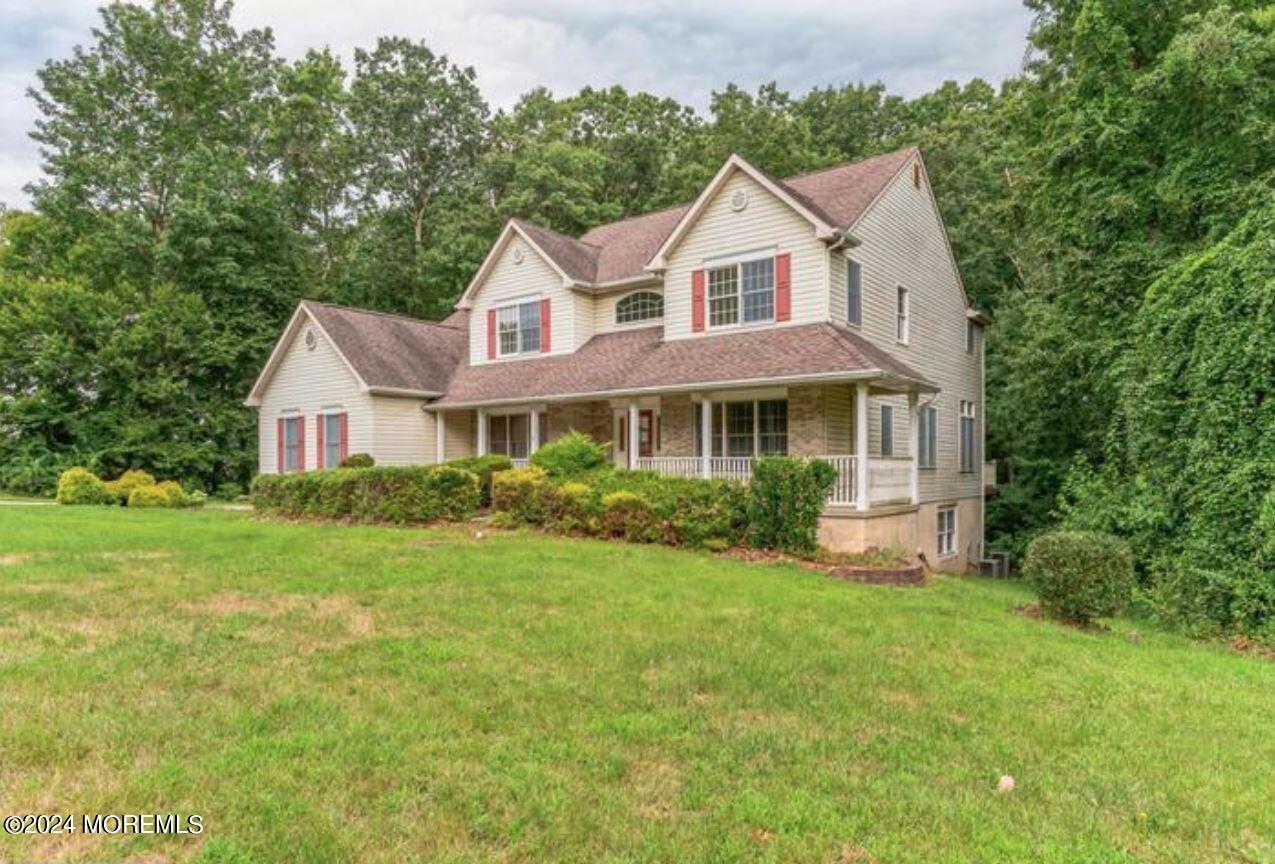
pixel 518 328
pixel 742 292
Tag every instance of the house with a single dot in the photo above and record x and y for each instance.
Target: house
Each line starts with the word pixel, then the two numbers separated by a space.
pixel 818 315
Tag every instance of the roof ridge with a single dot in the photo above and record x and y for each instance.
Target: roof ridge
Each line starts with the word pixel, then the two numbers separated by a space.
pixel 539 227
pixel 381 314
pixel 637 216
pixel 841 165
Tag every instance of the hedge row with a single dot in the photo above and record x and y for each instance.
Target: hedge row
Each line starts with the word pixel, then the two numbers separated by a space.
pixel 399 495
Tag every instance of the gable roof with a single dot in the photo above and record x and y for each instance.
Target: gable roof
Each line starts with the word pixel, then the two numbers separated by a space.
pixel 635 361
pixel 387 354
pixel 832 198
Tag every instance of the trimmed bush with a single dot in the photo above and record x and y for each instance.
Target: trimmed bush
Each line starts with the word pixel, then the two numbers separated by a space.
pixel 785 499
pixel 151 496
pixel 1080 575
pixel 689 511
pixel 485 467
pixel 571 456
pixel 629 515
pixel 173 489
pixel 521 493
pixel 358 460
pixel 398 495
pixel 571 508
pixel 122 486
pixel 82 486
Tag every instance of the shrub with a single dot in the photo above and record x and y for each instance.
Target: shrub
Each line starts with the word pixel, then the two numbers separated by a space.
pixel 690 511
pixel 150 496
pixel 629 515
pixel 571 508
pixel 485 467
pixel 571 456
pixel 173 490
pixel 521 493
pixel 227 491
pixel 785 499
pixel 358 460
pixel 1080 575
pixel 399 495
pixel 81 486
pixel 122 486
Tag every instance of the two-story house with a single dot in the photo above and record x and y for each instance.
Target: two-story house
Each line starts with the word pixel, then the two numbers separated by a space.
pixel 818 315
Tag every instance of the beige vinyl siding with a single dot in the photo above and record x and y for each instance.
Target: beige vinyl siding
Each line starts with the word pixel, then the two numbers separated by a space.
pixel 533 278
pixel 839 419
pixel 402 434
pixel 582 306
pixel 459 439
pixel 902 243
pixel 604 310
pixel 766 223
pixel 310 382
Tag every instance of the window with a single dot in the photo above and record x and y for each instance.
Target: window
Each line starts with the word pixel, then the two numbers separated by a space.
pixel 752 428
pixel 971 337
pixel 969 443
pixel 508 435
pixel 887 430
pixel 927 433
pixel 518 328
pixel 292 443
pixel 743 292
pixel 854 292
pixel 332 443
pixel 947 530
pixel 640 306
pixel 902 304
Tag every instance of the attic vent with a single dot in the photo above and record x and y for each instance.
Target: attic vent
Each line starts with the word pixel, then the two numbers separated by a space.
pixel 738 200
pixel 519 254
pixel 310 340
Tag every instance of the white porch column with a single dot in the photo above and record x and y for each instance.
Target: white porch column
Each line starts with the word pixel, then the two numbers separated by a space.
pixel 440 438
pixel 914 445
pixel 633 434
pixel 533 432
pixel 706 436
pixel 861 445
pixel 482 432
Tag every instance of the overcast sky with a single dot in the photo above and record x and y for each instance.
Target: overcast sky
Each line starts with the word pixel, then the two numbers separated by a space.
pixel 679 48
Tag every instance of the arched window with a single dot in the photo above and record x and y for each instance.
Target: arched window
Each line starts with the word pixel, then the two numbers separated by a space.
pixel 639 306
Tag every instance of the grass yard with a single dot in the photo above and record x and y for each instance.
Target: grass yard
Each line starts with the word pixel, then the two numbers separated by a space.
pixel 324 694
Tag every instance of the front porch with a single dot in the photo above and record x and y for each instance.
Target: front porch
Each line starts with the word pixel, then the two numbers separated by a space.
pixel 865 429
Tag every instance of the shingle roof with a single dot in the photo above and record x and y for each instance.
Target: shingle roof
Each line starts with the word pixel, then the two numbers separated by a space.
pixel 394 352
pixel 621 250
pixel 639 360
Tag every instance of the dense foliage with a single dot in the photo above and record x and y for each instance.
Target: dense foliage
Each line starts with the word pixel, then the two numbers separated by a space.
pixel 785 499
pixel 397 495
pixel 1080 575
pixel 196 185
pixel 571 455
pixel 133 488
pixel 485 467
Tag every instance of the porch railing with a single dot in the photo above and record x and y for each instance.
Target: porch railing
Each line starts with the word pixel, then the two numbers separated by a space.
pixel 889 479
pixel 520 463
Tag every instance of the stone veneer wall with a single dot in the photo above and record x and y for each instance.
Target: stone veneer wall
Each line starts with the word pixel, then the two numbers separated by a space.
pixel 592 418
pixel 677 425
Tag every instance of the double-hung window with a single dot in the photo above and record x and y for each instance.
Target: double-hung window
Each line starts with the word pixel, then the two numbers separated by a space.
pixel 751 428
pixel 742 292
pixel 971 337
pixel 927 435
pixel 292 443
pixel 887 430
pixel 332 443
pixel 947 530
pixel 854 292
pixel 968 442
pixel 509 435
pixel 903 303
pixel 518 328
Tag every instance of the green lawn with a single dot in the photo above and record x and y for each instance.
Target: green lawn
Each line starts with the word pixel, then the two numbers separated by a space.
pixel 323 693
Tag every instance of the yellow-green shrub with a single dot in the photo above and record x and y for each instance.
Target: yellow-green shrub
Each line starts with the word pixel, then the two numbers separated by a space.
pixel 149 496
pixel 521 493
pixel 173 489
pixel 628 515
pixel 122 486
pixel 82 486
pixel 571 508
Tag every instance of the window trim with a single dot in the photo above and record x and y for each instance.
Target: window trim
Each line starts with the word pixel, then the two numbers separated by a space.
pixel 633 295
pixel 720 410
pixel 887 441
pixel 292 421
pixel 516 304
pixel 952 533
pixel 854 320
pixel 902 315
pixel 737 262
pixel 928 438
pixel 327 415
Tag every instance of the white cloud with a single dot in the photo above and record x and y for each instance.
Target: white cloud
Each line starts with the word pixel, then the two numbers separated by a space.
pixel 679 48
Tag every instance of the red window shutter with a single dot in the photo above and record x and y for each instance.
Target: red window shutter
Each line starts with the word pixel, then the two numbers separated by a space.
pixel 491 334
pixel 318 441
pixel 345 435
pixel 544 325
pixel 697 300
pixel 278 467
pixel 301 442
pixel 783 287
